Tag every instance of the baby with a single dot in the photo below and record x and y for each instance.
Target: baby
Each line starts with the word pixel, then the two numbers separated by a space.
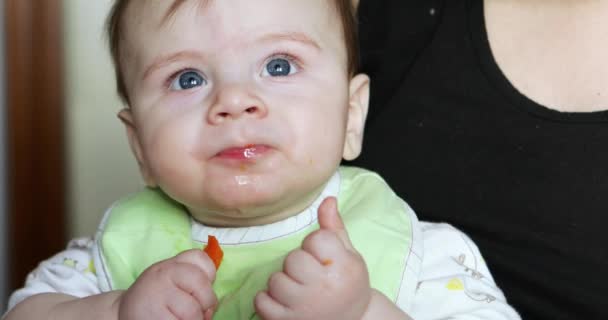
pixel 239 113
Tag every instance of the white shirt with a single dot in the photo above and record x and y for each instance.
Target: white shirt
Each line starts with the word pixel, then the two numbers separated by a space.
pixel 445 275
pixel 453 280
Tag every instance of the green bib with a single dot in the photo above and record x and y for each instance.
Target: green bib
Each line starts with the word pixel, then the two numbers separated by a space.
pixel 149 227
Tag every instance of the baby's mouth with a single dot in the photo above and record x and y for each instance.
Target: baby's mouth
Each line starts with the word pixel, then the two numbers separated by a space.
pixel 248 152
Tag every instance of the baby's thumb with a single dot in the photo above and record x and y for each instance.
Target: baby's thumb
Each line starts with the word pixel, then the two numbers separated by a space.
pixel 329 219
pixel 208 315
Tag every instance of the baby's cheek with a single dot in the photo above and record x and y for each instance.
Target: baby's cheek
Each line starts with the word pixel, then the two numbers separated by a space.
pixel 171 167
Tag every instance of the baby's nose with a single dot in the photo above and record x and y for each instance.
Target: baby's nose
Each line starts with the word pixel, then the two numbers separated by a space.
pixel 235 101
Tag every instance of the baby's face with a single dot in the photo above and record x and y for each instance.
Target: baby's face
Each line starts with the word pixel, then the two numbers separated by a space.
pixel 239 108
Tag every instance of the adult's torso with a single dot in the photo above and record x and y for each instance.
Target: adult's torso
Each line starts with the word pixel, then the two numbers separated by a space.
pixel 452 133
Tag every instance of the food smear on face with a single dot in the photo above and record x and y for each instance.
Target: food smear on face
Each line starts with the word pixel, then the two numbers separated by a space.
pixel 243 180
pixel 214 251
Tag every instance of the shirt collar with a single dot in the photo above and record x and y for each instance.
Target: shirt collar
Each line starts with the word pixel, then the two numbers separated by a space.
pixel 293 224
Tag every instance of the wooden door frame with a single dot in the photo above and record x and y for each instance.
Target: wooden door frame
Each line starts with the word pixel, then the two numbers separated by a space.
pixel 35 134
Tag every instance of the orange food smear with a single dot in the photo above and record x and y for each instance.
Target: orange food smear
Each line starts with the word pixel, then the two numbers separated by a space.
pixel 327 262
pixel 214 251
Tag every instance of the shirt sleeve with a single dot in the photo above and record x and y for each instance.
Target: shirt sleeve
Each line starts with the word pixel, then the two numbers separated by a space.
pixel 70 272
pixel 454 281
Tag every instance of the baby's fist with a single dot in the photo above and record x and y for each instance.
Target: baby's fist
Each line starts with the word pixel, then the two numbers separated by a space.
pixel 176 288
pixel 325 279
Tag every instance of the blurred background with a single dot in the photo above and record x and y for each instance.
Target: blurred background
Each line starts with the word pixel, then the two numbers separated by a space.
pixel 63 154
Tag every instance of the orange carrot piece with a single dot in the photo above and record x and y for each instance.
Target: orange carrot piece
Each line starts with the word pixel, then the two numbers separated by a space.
pixel 214 251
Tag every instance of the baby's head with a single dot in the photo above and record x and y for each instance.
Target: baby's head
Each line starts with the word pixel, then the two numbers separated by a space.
pixel 241 110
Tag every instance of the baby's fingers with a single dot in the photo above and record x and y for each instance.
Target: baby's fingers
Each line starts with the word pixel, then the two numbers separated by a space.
pixel 184 306
pixel 200 259
pixel 208 314
pixel 302 266
pixel 194 282
pixel 330 219
pixel 326 247
pixel 285 290
pixel 268 308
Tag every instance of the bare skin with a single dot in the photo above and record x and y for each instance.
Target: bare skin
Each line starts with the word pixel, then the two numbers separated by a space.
pixel 553 52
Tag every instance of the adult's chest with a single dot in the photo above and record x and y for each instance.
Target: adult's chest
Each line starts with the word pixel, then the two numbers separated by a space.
pixel 553 52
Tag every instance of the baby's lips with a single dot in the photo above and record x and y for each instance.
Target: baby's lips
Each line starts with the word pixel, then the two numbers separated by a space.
pixel 247 152
pixel 214 251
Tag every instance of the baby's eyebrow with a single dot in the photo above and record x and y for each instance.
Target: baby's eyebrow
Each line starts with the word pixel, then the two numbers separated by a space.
pixel 165 60
pixel 290 36
pixel 174 6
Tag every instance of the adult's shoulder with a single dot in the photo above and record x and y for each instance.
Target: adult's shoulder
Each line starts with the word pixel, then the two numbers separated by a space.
pixel 408 7
pixel 392 33
pixel 389 23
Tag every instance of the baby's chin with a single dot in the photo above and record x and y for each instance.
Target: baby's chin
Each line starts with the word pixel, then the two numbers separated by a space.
pixel 248 200
pixel 247 210
pixel 240 216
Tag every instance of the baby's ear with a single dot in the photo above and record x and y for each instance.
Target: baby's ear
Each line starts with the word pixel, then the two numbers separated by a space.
pixel 126 116
pixel 357 113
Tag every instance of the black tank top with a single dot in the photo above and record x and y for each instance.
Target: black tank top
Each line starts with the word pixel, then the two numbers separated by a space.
pixel 461 145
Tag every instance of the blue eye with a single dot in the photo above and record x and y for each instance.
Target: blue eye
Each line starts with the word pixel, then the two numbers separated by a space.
pixel 187 80
pixel 279 67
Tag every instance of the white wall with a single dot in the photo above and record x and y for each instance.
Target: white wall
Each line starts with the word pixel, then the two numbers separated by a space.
pixel 3 208
pixel 100 166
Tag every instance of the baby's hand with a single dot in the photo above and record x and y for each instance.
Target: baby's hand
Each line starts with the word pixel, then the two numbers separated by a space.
pixel 325 279
pixel 176 288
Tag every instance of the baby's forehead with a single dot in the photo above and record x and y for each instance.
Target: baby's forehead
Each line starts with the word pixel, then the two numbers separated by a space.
pixel 161 11
pixel 194 18
pixel 144 12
